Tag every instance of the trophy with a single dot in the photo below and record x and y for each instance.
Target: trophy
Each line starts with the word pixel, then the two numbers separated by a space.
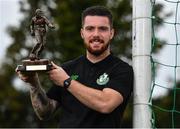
pixel 38 31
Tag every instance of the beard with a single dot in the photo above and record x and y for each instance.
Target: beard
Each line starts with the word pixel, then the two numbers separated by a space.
pixel 99 51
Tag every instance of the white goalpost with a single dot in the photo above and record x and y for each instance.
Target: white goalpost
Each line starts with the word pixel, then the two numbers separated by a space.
pixel 141 42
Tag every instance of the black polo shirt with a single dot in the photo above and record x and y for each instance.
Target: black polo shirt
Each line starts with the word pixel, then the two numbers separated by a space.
pixel 110 72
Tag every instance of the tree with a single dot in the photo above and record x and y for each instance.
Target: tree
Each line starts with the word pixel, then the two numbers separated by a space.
pixel 63 44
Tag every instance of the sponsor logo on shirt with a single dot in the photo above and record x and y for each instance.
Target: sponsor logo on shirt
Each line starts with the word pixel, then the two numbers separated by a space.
pixel 103 79
pixel 74 77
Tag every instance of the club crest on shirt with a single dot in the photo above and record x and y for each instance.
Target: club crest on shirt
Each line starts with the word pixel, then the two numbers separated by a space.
pixel 103 79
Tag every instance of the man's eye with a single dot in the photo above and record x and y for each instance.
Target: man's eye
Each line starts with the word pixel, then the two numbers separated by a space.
pixel 89 28
pixel 103 28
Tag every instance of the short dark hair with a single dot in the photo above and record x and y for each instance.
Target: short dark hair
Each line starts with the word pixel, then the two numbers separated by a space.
pixel 97 11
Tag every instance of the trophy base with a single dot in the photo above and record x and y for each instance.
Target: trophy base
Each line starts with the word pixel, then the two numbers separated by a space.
pixel 36 65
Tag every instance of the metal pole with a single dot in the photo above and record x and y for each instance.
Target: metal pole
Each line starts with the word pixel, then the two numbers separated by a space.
pixel 141 62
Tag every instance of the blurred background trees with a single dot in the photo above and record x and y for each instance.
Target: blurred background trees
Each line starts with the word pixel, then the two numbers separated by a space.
pixel 63 43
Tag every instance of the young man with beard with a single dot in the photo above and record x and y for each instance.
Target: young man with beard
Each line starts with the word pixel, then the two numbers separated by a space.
pixel 92 90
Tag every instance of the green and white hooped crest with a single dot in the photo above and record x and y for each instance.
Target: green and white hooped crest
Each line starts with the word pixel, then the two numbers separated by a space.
pixel 103 79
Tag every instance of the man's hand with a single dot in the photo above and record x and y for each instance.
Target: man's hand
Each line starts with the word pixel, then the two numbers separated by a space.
pixel 28 77
pixel 57 75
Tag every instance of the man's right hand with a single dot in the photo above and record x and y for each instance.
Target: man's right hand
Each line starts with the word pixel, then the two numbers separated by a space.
pixel 28 77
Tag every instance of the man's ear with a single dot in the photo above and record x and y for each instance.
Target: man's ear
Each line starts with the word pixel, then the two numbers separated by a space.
pixel 112 33
pixel 82 35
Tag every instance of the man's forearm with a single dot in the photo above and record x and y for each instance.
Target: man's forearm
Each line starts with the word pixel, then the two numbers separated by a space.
pixel 43 106
pixel 104 101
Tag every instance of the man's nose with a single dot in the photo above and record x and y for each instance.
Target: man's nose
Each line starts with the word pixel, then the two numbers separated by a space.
pixel 96 32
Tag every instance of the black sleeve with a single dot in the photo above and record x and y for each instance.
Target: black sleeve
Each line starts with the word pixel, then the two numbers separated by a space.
pixel 121 80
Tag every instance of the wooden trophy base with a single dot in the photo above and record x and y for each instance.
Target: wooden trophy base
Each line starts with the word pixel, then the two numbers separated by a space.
pixel 35 65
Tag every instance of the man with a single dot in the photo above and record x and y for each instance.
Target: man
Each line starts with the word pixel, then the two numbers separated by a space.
pixel 92 90
pixel 38 29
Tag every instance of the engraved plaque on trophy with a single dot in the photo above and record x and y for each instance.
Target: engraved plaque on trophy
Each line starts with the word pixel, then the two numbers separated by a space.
pixel 38 31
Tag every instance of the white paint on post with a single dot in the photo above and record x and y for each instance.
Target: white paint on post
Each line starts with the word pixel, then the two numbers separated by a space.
pixel 141 62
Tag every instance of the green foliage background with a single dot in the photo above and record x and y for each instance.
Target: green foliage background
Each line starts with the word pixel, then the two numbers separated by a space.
pixel 63 43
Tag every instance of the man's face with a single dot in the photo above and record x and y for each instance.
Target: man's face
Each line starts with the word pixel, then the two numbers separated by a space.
pixel 97 34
